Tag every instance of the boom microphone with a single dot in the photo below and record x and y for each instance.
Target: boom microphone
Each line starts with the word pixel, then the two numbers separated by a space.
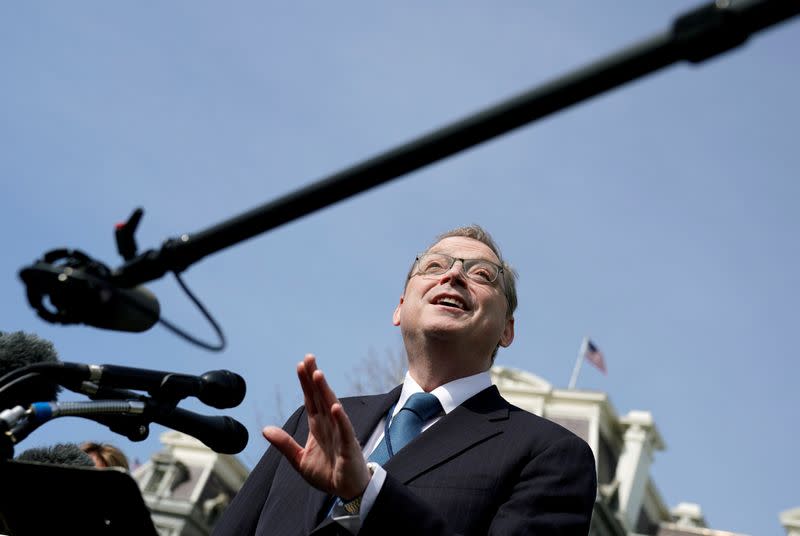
pixel 80 291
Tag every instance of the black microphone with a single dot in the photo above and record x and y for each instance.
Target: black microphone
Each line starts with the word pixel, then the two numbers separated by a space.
pixel 20 350
pixel 79 290
pixel 221 434
pixel 217 388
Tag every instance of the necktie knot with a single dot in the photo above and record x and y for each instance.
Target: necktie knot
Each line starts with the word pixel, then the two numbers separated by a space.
pixel 424 405
pixel 406 425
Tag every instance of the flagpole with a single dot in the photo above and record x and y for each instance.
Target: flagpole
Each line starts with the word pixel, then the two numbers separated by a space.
pixel 578 362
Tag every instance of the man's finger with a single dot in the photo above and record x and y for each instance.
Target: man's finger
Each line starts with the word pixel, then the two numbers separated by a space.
pixel 313 401
pixel 308 389
pixel 328 397
pixel 347 433
pixel 321 399
pixel 285 443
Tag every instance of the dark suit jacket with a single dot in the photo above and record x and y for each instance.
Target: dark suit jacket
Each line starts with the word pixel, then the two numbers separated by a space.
pixel 487 467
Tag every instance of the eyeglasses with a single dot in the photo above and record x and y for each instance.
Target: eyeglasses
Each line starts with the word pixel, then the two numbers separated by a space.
pixel 478 270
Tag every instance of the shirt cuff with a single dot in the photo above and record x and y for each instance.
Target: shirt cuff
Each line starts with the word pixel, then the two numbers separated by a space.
pixel 373 488
pixel 353 522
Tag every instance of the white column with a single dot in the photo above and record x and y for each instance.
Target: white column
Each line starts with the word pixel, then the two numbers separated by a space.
pixel 641 439
pixel 790 519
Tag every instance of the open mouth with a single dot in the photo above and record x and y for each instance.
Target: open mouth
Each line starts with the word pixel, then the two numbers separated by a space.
pixel 453 302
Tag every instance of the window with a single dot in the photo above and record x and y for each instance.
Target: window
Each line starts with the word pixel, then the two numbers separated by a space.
pixel 156 478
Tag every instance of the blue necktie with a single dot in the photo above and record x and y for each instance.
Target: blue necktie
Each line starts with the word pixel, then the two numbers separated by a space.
pixel 406 425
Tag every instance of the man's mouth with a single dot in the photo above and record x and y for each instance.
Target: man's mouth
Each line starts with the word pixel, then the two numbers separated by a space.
pixel 451 301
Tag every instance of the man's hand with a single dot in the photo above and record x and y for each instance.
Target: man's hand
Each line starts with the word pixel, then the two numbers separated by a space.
pixel 331 460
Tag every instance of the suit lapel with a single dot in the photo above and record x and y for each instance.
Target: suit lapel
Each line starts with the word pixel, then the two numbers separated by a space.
pixel 364 412
pixel 476 420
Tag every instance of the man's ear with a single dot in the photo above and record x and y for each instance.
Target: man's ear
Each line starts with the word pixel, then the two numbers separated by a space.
pixel 508 333
pixel 396 315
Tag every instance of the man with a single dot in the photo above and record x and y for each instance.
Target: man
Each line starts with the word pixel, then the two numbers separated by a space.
pixel 479 466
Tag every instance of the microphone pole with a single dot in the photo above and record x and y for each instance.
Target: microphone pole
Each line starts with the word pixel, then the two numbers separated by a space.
pixel 695 36
pixel 82 290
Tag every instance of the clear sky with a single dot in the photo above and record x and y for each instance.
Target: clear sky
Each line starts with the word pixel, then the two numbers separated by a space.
pixel 660 218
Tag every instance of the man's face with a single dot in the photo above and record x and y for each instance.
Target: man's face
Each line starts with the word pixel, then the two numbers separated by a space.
pixel 453 307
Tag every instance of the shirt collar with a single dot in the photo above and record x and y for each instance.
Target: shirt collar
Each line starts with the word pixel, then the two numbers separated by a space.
pixel 451 395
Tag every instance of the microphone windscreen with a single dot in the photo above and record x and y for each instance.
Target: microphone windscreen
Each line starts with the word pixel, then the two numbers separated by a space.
pixel 134 310
pixel 18 350
pixel 59 454
pixel 21 349
pixel 222 389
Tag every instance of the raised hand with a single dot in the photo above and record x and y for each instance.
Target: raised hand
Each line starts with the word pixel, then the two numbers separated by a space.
pixel 331 459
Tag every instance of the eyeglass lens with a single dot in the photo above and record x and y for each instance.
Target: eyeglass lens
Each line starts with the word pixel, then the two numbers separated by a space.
pixel 476 269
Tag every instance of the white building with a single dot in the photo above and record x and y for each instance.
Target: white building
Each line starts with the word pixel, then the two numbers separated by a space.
pixel 628 501
pixel 187 486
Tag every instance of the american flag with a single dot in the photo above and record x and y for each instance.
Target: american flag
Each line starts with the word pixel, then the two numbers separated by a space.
pixel 593 355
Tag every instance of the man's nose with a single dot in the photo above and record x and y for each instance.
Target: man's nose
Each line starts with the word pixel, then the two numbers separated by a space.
pixel 455 273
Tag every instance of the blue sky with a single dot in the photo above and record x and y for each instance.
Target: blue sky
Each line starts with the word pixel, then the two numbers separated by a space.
pixel 659 218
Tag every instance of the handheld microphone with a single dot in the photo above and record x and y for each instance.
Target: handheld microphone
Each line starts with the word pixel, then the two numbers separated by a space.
pixel 217 388
pixel 221 434
pixel 80 291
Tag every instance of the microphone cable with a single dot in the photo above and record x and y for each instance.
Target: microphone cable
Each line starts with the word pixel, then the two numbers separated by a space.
pixel 221 342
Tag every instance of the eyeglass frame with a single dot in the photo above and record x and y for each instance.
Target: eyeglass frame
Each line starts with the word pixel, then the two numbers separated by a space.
pixel 500 269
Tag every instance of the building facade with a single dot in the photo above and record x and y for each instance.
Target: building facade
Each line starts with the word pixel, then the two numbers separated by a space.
pixel 628 502
pixel 187 486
